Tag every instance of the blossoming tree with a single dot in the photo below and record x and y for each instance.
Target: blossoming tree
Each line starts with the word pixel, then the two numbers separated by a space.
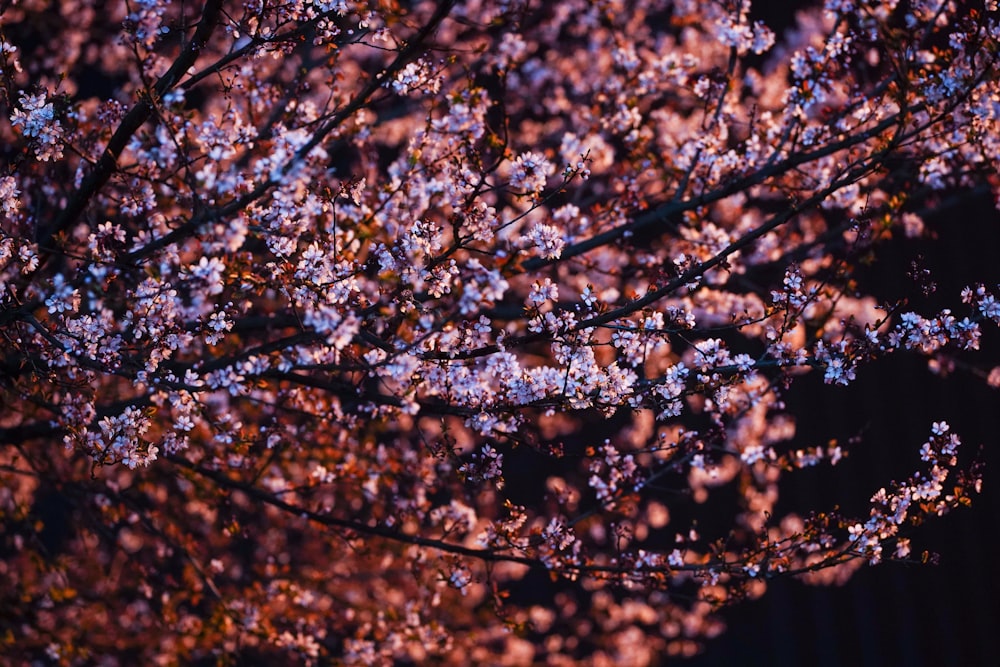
pixel 285 287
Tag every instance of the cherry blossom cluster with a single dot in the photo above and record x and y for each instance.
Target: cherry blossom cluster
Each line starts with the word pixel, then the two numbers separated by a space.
pixel 338 328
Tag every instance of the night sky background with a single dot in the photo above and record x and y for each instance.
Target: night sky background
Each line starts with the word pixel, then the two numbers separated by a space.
pixel 895 614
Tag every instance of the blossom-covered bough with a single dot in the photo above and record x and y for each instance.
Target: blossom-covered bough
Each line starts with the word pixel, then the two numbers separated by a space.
pixel 285 287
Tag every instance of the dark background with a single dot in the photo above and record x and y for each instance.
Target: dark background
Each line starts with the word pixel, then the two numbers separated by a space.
pixel 895 614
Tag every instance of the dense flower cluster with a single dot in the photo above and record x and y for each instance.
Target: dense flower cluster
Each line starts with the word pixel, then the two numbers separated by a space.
pixel 328 325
